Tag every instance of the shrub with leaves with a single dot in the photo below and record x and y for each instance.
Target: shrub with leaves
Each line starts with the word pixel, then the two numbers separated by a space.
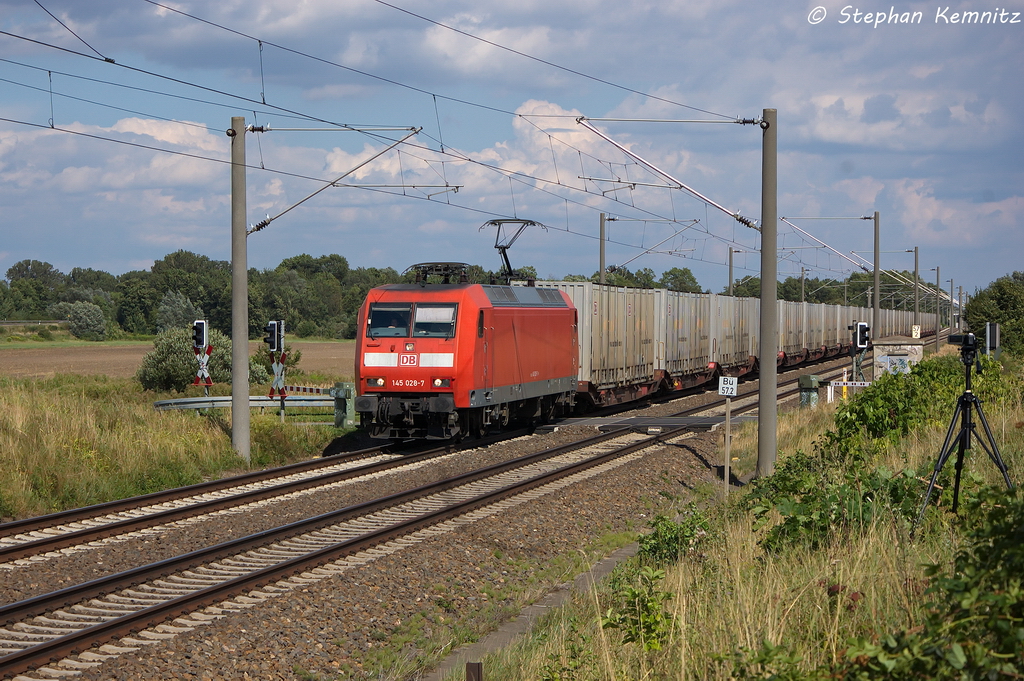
pixel 822 511
pixel 576 660
pixel 172 364
pixel 86 319
pixel 670 540
pixel 639 611
pixel 835 490
pixel 769 662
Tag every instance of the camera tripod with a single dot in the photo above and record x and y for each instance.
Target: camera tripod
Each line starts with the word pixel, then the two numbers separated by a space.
pixel 967 402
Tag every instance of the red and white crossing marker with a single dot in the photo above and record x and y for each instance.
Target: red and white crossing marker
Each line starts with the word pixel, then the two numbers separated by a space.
pixel 278 384
pixel 203 373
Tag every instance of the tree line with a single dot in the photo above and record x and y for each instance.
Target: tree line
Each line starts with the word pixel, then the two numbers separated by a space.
pixel 315 296
pixel 320 296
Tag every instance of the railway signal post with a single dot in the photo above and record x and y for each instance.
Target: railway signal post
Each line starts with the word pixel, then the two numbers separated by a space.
pixel 275 343
pixel 203 350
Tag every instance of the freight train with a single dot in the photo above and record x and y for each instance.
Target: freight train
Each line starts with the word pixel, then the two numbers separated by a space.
pixel 442 361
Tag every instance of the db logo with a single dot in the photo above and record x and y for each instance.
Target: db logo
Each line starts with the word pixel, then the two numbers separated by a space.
pixel 407 360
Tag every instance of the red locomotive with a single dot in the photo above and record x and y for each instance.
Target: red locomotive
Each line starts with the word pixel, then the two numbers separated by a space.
pixel 439 361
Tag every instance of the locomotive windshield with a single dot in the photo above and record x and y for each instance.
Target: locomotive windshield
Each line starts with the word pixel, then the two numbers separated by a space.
pixel 434 320
pixel 390 320
pixel 429 320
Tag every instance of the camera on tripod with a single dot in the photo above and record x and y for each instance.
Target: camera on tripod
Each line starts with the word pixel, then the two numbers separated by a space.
pixel 964 340
pixel 968 343
pixel 967 404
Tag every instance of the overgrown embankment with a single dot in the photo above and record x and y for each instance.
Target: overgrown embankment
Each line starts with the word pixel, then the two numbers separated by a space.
pixel 818 572
pixel 73 441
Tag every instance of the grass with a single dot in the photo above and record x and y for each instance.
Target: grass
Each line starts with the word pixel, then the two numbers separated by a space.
pixel 73 441
pixel 58 335
pixel 740 611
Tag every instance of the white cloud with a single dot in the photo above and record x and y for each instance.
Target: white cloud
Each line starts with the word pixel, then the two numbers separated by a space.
pixel 864 191
pixel 187 134
pixel 934 220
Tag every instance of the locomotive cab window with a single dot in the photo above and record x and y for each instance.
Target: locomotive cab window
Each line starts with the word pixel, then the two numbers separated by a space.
pixel 434 320
pixel 388 320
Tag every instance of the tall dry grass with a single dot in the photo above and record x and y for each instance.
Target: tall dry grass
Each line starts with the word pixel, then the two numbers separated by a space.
pixel 73 441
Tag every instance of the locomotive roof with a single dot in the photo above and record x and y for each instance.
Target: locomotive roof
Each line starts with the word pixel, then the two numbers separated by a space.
pixel 499 296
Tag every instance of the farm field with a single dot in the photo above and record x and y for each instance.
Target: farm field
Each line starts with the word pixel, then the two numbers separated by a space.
pixel 122 360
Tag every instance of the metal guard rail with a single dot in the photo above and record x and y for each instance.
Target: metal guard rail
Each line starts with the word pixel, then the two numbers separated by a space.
pixel 340 398
pixel 254 401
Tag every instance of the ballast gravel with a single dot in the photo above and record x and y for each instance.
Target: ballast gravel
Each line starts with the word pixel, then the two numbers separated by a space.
pixel 389 618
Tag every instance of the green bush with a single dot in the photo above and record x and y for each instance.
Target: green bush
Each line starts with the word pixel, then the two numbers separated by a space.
pixel 814 510
pixel 172 364
pixel 306 328
pixel 836 490
pixel 640 611
pixel 669 540
pixel 258 373
pixel 87 320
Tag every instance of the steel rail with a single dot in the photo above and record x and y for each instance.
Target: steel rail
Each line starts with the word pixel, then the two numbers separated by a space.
pixel 83 536
pixel 39 604
pixel 45 652
pixel 118 527
pixel 690 411
pixel 164 496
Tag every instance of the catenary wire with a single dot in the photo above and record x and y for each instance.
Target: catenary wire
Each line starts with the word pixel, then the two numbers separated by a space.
pixel 68 28
pixel 544 61
pixel 282 109
pixel 107 106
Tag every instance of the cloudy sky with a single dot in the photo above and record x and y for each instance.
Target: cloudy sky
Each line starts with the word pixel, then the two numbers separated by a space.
pixel 904 109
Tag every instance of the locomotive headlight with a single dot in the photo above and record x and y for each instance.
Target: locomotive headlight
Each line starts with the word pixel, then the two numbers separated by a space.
pixel 409 347
pixel 375 382
pixel 442 382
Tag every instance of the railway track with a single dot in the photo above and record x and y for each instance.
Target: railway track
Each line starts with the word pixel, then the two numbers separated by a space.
pixel 24 539
pixel 81 527
pixel 34 539
pixel 42 630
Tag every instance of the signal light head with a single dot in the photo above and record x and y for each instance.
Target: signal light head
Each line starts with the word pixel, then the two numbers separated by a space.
pixel 271 338
pixel 275 335
pixel 863 334
pixel 200 337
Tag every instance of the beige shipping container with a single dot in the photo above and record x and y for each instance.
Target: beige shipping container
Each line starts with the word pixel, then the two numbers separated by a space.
pixel 730 345
pixel 835 328
pixel 626 335
pixel 750 324
pixel 815 334
pixel 791 327
pixel 617 332
pixel 688 332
